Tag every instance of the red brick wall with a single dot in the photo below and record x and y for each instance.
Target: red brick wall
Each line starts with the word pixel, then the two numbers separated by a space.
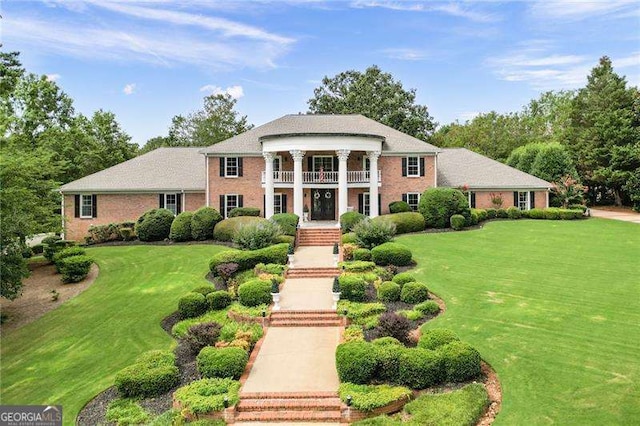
pixel 248 185
pixel 483 199
pixel 394 184
pixel 117 208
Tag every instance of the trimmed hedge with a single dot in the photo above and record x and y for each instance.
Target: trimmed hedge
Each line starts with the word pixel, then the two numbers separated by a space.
pixel 362 254
pixel 414 292
pixel 437 205
pixel 482 214
pixel 349 219
pixel 391 254
pixel 403 277
pixel 255 292
pixel 228 362
pixel 457 222
pixel 356 362
pixel 461 362
pixel 181 227
pixel 349 238
pixel 536 214
pixel 154 225
pixel 204 290
pixel 420 368
pixel 75 268
pixel 399 207
pixel 244 211
pixel 514 212
pixel 405 222
pixel 192 305
pixel 226 229
pixel 288 222
pixel 436 337
pixel 248 259
pixel 389 292
pixel 219 299
pixel 65 253
pixel 353 287
pixel 152 374
pixel 207 395
pixel 430 307
pixel 202 223
pixel 370 397
pixel 357 266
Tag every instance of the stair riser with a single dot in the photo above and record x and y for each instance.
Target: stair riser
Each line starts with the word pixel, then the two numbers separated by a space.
pixel 284 416
pixel 305 324
pixel 252 408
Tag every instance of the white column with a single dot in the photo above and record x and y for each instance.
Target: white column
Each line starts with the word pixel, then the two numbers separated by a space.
pixel 297 181
pixel 373 182
pixel 343 191
pixel 268 184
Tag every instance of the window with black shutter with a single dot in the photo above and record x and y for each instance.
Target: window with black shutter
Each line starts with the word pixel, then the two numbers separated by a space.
pixel 473 199
pixel 421 166
pixel 532 199
pixel 76 206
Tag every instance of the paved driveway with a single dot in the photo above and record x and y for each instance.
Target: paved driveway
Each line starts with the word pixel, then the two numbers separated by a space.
pixel 627 216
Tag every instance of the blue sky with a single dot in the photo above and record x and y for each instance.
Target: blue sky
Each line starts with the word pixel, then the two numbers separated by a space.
pixel 149 60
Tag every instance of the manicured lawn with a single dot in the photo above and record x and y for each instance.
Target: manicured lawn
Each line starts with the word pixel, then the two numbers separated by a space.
pixel 553 306
pixel 73 353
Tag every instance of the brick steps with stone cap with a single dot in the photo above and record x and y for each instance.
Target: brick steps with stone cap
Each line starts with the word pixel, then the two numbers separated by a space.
pixel 289 407
pixel 317 318
pixel 318 236
pixel 312 272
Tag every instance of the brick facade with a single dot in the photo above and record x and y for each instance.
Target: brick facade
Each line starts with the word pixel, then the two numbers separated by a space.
pixel 483 199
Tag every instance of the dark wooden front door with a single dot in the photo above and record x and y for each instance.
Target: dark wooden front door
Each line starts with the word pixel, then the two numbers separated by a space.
pixel 324 204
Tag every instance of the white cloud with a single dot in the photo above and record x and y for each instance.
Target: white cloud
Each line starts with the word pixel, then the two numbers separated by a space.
pixel 575 10
pixel 53 77
pixel 406 54
pixel 453 9
pixel 129 89
pixel 236 92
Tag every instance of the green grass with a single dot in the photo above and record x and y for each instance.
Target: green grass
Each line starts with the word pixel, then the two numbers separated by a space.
pixel 72 353
pixel 553 306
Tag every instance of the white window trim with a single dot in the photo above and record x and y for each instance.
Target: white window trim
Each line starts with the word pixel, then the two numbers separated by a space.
pixel 176 203
pixel 226 204
pixel 418 195
pixel 364 163
pixel 417 157
pixel 277 195
pixel 279 158
pixel 528 196
pixel 82 196
pixel 226 167
pixel 366 205
pixel 313 163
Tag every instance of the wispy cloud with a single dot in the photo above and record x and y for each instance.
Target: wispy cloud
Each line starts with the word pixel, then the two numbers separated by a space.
pixel 406 54
pixel 53 77
pixel 236 92
pixel 576 10
pixel 453 9
pixel 129 89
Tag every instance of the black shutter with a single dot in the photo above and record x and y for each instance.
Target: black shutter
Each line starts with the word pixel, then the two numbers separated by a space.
pixel 310 164
pixel 264 204
pixel 336 164
pixel 239 166
pixel 532 199
pixel 361 203
pixel 473 200
pixel 405 198
pixel 515 198
pixel 161 201
pixel 421 166
pixel 240 203
pixel 284 203
pixel 178 203
pixel 222 164
pixel 404 166
pixel 379 203
pixel 222 210
pixel 76 206
pixel 94 205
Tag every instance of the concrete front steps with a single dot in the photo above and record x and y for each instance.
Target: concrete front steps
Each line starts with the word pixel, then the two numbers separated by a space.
pixel 316 318
pixel 289 407
pixel 312 272
pixel 318 236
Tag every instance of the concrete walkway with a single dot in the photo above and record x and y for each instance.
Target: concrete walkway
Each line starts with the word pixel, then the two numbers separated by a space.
pixel 306 294
pixel 313 257
pixel 626 215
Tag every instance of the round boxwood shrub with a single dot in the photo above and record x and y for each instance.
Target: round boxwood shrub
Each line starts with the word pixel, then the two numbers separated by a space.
pixel 349 219
pixel 391 254
pixel 75 268
pixel 247 259
pixel 361 254
pixel 353 287
pixel 492 213
pixel 389 292
pixel 227 362
pixel 404 222
pixel 204 290
pixel 356 362
pixel 414 292
pixel 388 353
pixel 502 214
pixel 436 337
pixel 457 222
pixel 181 227
pixel 225 230
pixel 204 396
pixel 437 205
pixel 288 222
pixel 386 340
pixel 420 368
pixel 152 374
pixel 474 218
pixel 460 360
pixel 481 214
pixel 255 292
pixel 399 207
pixel 65 253
pixel 244 211
pixel 192 305
pixel 403 277
pixel 513 213
pixel 429 307
pixel 202 223
pixel 536 214
pixel 349 238
pixel 154 225
pixel 219 299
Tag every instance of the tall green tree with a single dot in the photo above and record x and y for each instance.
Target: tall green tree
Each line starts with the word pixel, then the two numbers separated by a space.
pixel 604 130
pixel 376 95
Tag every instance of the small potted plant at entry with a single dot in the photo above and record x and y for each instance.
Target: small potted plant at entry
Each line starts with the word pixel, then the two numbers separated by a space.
pixel 275 294
pixel 335 292
pixel 336 254
pixel 290 252
pixel 305 213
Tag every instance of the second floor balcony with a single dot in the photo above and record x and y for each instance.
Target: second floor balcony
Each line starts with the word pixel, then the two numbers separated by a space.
pixel 354 178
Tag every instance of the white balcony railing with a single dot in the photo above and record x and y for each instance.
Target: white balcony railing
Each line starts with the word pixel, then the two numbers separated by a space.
pixel 353 176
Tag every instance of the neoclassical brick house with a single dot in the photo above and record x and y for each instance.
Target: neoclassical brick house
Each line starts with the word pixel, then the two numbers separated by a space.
pixel 318 166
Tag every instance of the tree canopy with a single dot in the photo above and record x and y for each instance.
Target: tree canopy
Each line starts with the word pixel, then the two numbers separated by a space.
pixel 376 95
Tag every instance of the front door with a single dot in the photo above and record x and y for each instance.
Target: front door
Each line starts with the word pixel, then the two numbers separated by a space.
pixel 324 204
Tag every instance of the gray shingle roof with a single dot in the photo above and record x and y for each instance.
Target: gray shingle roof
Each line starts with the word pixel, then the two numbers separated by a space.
pixel 459 166
pixel 161 169
pixel 320 124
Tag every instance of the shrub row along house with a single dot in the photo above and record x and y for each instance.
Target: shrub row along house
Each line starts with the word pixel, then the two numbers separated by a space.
pixel 316 166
